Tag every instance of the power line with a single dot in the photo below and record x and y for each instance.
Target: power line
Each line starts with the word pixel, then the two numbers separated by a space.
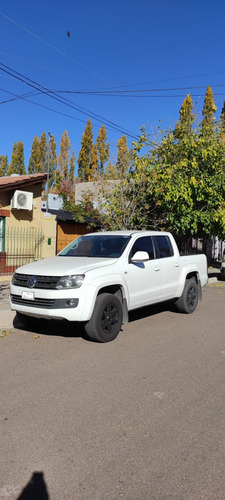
pixel 64 101
pixel 124 92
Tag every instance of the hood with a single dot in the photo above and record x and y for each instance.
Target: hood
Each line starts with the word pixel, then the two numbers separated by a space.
pixel 64 266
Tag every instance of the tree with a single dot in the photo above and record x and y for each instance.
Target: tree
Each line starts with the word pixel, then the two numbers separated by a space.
pixel 123 156
pixel 208 112
pixel 188 183
pixel 187 117
pixel 222 122
pixel 17 161
pixel 72 166
pixel 84 158
pixel 34 161
pixel 67 187
pixel 126 202
pixel 43 154
pixel 63 158
pixel 51 160
pixel 102 148
pixel 3 165
pixel 94 163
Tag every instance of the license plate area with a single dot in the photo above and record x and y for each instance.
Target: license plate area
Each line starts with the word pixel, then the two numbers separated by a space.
pixel 28 295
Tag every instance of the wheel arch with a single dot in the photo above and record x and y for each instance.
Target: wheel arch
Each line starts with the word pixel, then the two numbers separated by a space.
pixel 187 275
pixel 119 292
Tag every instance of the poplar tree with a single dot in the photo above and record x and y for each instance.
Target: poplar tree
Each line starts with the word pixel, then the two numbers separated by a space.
pixel 63 158
pixel 34 161
pixel 72 166
pixel 102 148
pixel 84 158
pixel 208 112
pixel 94 163
pixel 123 156
pixel 3 166
pixel 185 123
pixel 43 154
pixel 222 123
pixel 52 160
pixel 17 161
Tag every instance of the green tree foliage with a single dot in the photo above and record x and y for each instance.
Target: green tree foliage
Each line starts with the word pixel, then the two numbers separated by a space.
pixel 17 161
pixel 43 154
pixel 3 165
pixel 208 112
pixel 179 183
pixel 94 164
pixel 102 149
pixel 222 123
pixel 123 156
pixel 188 179
pixel 51 160
pixel 187 117
pixel 63 158
pixel 34 161
pixel 126 201
pixel 111 172
pixel 85 172
pixel 72 166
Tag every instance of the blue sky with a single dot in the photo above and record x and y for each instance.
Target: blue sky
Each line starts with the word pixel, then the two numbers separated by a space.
pixel 166 47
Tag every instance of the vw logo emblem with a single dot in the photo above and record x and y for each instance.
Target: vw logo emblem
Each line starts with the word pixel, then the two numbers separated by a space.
pixel 31 282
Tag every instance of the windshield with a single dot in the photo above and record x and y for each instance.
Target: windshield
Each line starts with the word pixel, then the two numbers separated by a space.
pixel 96 246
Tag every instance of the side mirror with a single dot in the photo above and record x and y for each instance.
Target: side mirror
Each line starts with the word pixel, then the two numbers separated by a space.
pixel 140 257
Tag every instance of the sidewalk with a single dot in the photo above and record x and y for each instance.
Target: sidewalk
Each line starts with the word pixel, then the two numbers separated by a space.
pixel 6 315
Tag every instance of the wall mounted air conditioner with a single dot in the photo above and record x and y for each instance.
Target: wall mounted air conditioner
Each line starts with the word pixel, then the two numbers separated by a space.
pixel 22 200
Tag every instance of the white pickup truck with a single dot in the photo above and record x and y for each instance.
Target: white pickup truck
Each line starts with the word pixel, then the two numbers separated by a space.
pixel 99 277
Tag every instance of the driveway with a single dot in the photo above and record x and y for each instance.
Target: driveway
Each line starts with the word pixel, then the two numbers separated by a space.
pixel 139 418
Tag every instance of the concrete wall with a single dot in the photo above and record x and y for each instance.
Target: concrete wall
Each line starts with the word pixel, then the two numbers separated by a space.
pixel 31 219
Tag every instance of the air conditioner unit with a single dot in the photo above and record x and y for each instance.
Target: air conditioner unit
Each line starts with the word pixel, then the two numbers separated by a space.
pixel 22 200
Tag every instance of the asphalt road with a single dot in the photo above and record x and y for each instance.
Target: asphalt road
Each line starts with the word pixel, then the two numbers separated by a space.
pixel 140 418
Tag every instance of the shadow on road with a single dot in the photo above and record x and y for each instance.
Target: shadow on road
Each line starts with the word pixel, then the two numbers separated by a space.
pixel 53 327
pixel 63 328
pixel 36 489
pixel 152 310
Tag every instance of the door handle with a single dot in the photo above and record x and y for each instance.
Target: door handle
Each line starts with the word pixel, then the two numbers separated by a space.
pixel 156 269
pixel 177 265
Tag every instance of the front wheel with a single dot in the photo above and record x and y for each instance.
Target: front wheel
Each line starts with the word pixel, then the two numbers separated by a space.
pixel 106 319
pixel 188 301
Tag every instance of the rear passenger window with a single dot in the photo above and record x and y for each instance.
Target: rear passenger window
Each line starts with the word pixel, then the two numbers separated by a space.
pixel 143 244
pixel 164 246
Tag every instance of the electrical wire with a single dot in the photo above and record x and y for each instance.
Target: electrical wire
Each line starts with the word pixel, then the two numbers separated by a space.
pixel 64 101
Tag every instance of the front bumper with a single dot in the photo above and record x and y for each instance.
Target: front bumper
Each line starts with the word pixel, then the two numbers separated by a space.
pixel 72 304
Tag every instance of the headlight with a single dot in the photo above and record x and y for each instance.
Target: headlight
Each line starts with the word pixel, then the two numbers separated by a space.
pixel 70 281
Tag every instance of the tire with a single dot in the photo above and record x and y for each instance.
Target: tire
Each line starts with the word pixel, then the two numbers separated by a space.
pixel 188 301
pixel 106 319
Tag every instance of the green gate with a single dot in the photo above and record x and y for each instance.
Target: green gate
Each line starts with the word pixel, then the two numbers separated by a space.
pixel 22 245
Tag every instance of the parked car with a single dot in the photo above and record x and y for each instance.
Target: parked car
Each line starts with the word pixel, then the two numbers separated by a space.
pixel 98 278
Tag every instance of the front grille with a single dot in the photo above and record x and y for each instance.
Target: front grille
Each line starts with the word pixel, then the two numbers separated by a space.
pixel 37 302
pixel 43 282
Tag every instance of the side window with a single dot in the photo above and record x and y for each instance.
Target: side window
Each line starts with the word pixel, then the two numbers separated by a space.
pixel 164 246
pixel 143 244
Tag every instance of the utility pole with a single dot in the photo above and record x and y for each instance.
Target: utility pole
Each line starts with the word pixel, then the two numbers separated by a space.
pixel 49 138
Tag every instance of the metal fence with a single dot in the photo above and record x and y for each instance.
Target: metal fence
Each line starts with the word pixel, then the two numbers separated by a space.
pixel 22 245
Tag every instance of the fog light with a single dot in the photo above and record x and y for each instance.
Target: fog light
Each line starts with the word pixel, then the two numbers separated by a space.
pixel 70 303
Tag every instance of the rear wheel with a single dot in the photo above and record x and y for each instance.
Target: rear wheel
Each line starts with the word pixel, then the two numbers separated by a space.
pixel 188 301
pixel 106 320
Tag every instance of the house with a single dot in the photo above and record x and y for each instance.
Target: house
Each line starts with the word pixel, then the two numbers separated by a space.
pixel 26 233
